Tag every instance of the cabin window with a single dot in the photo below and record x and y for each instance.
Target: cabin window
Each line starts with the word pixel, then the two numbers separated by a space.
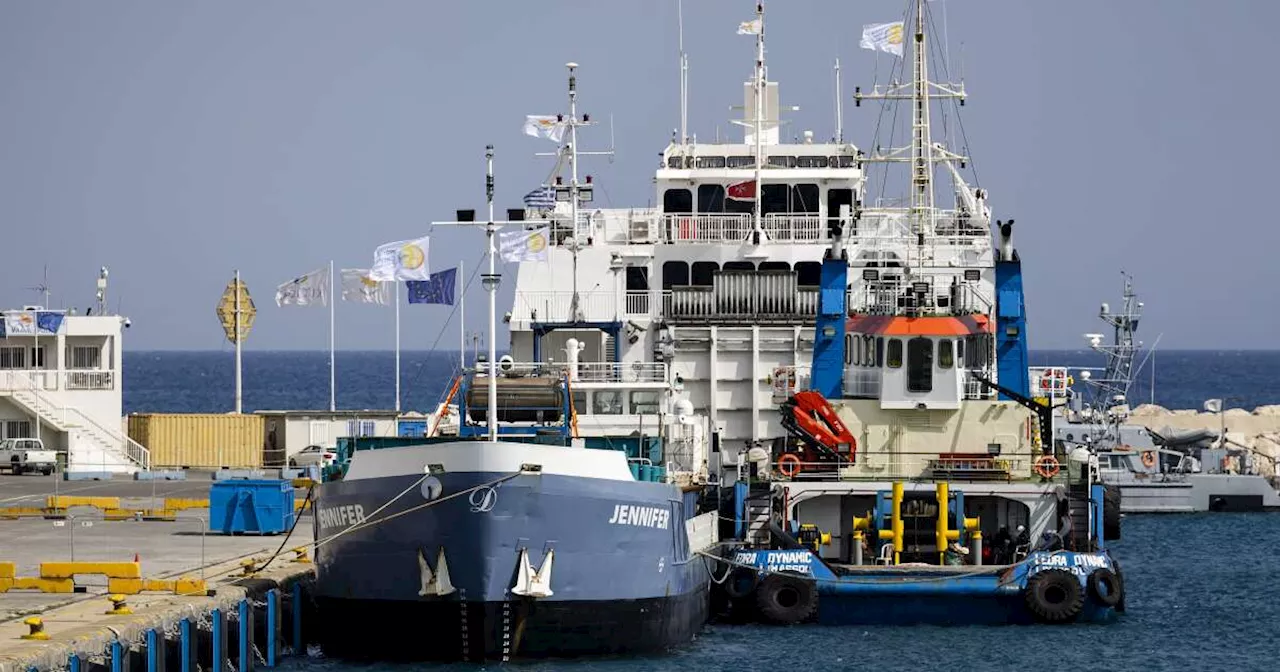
pixel 782 161
pixel 868 345
pixel 805 199
pixel 608 402
pixel 775 199
pixel 711 198
pixel 835 199
pixel 808 273
pixel 580 402
pixel 675 162
pixel 774 266
pixel 848 349
pixel 741 162
pixel 946 359
pixel 811 162
pixel 703 271
pixel 920 365
pixel 895 353
pixel 675 273
pixel 960 350
pixel 739 266
pixel 677 200
pixel 848 161
pixel 644 402
pixel 637 279
pixel 13 357
pixel 880 351
pixel 709 162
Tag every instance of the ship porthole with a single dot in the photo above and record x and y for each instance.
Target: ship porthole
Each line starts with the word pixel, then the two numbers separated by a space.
pixel 431 488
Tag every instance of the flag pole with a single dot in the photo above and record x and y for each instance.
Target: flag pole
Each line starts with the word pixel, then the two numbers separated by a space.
pixel 238 339
pixel 462 320
pixel 332 377
pixel 396 296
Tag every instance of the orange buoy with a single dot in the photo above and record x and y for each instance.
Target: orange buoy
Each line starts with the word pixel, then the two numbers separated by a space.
pixel 1047 466
pixel 1149 458
pixel 789 464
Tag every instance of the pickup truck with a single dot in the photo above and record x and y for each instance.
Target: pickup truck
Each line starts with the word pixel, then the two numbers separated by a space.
pixel 27 455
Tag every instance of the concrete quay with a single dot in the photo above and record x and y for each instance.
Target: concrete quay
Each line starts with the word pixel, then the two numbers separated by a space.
pixel 77 624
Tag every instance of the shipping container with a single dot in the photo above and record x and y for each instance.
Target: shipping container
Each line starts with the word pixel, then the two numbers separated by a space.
pixel 200 440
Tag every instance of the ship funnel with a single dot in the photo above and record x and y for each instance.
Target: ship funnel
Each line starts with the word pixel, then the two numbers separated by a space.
pixel 1006 240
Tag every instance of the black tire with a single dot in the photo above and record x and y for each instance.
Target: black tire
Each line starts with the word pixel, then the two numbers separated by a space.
pixel 741 583
pixel 1054 596
pixel 786 599
pixel 1106 587
pixel 1120 575
pixel 1111 512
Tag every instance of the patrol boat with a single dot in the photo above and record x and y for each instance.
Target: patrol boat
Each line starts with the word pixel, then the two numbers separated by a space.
pixel 1156 469
pixel 544 529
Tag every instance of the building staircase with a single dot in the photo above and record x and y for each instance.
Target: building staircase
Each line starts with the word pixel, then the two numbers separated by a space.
pixel 108 449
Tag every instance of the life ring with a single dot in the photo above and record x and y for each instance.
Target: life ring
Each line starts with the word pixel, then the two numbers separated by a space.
pixel 1106 587
pixel 742 582
pixel 786 599
pixel 1149 458
pixel 1047 466
pixel 789 465
pixel 1054 596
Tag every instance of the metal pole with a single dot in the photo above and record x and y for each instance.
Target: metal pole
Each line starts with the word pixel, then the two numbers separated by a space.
pixel 39 376
pixel 759 118
pixel 492 286
pixel 238 339
pixel 462 321
pixel 396 295
pixel 333 406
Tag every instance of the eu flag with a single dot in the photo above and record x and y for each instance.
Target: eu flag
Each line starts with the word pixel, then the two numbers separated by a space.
pixel 439 288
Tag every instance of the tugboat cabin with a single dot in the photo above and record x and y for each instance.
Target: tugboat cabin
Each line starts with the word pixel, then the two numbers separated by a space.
pixel 914 362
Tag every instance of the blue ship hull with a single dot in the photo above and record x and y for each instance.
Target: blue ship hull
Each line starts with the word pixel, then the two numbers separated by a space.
pixel 623 578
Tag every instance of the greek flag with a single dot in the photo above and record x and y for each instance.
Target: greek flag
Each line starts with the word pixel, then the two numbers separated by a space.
pixel 542 198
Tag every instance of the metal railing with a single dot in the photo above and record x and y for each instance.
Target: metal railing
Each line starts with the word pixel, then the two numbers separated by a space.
pixel 787 228
pixel 556 306
pixel 691 228
pixel 51 380
pixel 974 388
pixel 750 298
pixel 637 302
pixel 919 466
pixel 89 380
pixel 65 417
pixel 889 298
pixel 622 372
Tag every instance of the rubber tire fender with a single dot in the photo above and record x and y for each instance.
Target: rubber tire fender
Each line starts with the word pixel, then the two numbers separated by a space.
pixel 742 582
pixel 1114 587
pixel 1054 596
pixel 1119 575
pixel 786 599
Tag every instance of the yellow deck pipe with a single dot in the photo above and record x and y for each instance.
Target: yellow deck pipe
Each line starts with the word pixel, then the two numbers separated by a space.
pixel 945 534
pixel 894 533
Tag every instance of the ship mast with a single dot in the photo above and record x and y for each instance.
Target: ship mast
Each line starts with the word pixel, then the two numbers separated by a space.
pixel 759 119
pixel 490 282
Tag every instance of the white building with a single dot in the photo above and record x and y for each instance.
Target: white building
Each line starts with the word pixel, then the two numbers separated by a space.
pixel 60 382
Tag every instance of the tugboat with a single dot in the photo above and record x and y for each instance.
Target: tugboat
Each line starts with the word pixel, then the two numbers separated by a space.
pixel 913 434
pixel 546 528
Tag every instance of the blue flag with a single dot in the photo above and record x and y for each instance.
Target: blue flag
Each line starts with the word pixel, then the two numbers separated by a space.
pixel 439 288
pixel 48 322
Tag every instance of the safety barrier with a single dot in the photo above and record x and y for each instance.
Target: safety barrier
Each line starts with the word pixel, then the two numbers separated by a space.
pixel 123 578
pixel 57 506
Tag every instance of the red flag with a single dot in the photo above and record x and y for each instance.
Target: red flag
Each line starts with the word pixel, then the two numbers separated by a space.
pixel 743 191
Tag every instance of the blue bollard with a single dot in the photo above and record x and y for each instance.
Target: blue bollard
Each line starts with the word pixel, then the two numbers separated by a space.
pixel 73 663
pixel 155 651
pixel 246 636
pixel 273 625
pixel 219 619
pixel 117 657
pixel 187 644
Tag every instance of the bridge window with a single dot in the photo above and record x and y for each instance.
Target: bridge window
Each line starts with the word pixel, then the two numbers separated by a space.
pixel 895 353
pixel 811 162
pixel 703 272
pixel 679 161
pixel 805 199
pixel 774 266
pixel 741 162
pixel 847 162
pixel 739 266
pixel 677 200
pixel 920 364
pixel 644 402
pixel 608 402
pixel 675 273
pixel 946 359
pixel 709 162
pixel 711 197
pixel 782 161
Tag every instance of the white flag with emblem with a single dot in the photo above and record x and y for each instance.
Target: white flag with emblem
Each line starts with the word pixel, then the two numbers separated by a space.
pixel 306 290
pixel 544 126
pixel 358 287
pixel 523 245
pixel 883 37
pixel 751 27
pixel 401 260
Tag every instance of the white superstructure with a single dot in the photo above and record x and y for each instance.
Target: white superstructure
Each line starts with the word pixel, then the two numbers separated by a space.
pixel 722 286
pixel 60 381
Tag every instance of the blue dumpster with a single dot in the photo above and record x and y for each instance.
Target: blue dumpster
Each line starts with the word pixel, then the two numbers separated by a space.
pixel 253 507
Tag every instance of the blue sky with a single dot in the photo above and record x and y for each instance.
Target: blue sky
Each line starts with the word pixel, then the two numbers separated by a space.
pixel 175 142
